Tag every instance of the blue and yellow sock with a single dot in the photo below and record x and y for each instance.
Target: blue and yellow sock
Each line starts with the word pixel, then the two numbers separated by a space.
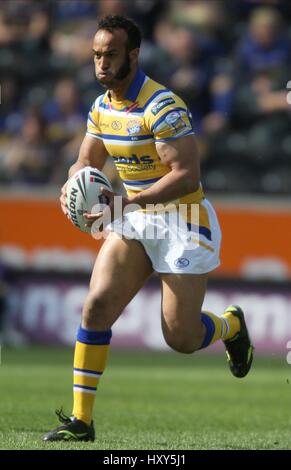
pixel 224 327
pixel 91 353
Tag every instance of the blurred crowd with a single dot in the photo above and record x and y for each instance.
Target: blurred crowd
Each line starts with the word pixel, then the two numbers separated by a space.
pixel 229 60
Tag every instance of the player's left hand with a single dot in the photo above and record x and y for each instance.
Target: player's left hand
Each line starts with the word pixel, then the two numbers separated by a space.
pixel 111 211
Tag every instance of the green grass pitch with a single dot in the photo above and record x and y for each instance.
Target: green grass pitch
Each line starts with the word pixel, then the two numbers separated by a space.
pixel 149 401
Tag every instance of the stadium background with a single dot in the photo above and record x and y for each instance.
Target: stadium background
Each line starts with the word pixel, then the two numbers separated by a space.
pixel 230 61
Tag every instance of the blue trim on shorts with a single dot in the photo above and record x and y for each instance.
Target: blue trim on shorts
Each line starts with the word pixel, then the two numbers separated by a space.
pixel 201 229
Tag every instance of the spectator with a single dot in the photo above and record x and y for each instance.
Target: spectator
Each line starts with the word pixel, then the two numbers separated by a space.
pixel 30 157
pixel 65 113
pixel 265 46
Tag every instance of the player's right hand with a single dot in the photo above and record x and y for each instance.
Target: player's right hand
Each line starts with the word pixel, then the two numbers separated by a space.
pixel 63 200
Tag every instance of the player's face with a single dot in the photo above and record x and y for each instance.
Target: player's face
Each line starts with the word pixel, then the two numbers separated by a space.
pixel 112 61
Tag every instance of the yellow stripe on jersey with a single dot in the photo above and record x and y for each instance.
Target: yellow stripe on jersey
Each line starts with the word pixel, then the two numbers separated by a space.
pixel 130 129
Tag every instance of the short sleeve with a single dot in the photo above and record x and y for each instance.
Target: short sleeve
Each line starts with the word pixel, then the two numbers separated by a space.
pixel 93 128
pixel 169 119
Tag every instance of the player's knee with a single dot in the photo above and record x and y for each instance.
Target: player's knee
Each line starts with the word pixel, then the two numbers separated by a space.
pixel 184 344
pixel 96 311
pixel 181 345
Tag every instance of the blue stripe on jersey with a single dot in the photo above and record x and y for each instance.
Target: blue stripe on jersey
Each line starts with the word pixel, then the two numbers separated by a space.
pixel 94 135
pixel 98 99
pixel 85 387
pixel 157 93
pixel 88 371
pixel 161 119
pixel 104 105
pixel 126 138
pixel 139 109
pixel 90 119
pixel 166 139
pixel 203 230
pixel 98 102
pixel 136 85
pixel 136 182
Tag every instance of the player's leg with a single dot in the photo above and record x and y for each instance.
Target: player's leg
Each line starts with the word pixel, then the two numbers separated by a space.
pixel 186 328
pixel 121 269
pixel 182 299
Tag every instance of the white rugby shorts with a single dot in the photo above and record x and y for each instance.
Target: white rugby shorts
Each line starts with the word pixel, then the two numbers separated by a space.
pixel 173 244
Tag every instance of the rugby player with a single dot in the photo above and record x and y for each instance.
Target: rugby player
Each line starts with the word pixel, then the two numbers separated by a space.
pixel 148 131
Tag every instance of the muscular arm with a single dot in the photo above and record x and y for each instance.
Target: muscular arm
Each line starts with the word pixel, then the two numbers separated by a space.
pixel 181 157
pixel 92 153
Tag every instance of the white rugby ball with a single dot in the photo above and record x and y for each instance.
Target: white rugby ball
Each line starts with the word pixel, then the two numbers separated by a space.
pixel 83 193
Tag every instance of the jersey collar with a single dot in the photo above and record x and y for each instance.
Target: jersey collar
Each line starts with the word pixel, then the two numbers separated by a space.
pixel 136 84
pixel 134 89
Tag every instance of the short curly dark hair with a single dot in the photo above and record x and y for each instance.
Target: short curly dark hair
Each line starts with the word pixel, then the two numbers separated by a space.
pixel 113 22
